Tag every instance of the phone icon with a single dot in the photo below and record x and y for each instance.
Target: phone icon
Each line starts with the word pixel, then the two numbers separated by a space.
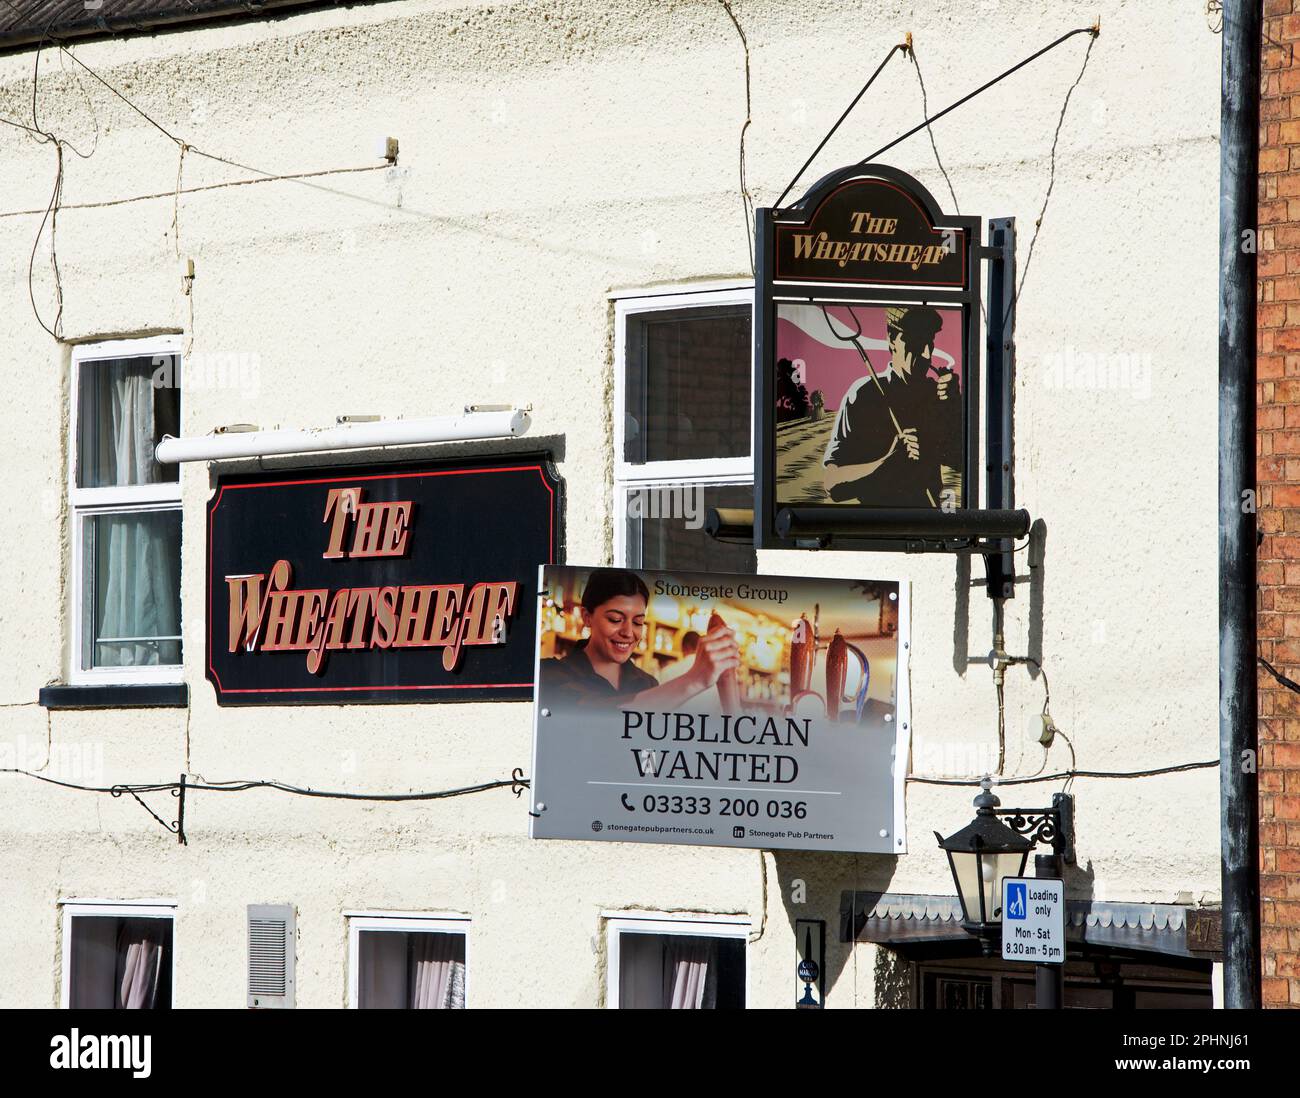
pixel 626 803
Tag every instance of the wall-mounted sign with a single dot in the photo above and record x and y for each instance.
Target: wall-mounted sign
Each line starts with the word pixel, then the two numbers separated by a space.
pixel 866 361
pixel 395 583
pixel 720 710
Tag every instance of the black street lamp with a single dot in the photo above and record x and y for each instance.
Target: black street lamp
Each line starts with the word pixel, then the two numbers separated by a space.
pixel 980 855
pixel 987 849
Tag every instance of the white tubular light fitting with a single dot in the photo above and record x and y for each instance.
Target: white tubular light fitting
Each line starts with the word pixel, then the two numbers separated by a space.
pixel 351 436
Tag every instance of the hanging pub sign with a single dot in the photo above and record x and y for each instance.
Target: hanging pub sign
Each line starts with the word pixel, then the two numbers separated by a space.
pixel 866 366
pixel 396 583
pixel 720 710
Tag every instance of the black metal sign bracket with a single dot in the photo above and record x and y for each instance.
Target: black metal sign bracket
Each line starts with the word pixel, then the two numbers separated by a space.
pixel 1000 358
pixel 178 791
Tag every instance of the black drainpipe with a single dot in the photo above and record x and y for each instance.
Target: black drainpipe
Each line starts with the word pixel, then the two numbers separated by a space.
pixel 1238 738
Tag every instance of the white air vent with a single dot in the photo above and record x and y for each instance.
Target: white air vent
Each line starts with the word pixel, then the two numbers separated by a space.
pixel 270 955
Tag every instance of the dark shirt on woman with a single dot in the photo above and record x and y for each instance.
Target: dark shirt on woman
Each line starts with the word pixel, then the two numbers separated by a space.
pixel 573 683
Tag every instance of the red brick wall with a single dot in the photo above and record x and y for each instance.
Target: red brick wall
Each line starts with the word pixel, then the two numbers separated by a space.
pixel 1278 403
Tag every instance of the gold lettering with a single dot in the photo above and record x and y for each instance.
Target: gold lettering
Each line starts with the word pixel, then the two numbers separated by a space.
pixel 313 606
pixel 342 502
pixel 382 529
pixel 444 614
pixel 245 598
pixel 360 603
pixel 385 617
pixel 282 607
pixel 330 638
pixel 413 616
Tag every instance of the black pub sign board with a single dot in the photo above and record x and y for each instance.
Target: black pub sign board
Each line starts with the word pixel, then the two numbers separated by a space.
pixel 392 583
pixel 866 353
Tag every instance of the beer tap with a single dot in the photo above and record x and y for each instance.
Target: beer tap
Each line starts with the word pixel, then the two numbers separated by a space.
pixel 804 646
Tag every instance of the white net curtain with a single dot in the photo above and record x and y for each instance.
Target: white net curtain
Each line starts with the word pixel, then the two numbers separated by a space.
pixel 133 564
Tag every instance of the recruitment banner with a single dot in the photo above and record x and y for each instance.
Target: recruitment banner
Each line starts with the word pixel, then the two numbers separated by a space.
pixel 710 709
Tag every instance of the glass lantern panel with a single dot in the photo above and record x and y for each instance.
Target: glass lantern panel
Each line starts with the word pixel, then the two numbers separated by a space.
pixel 993 868
pixel 966 870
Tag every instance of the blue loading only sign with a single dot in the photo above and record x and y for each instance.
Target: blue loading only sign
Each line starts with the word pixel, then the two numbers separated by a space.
pixel 1033 920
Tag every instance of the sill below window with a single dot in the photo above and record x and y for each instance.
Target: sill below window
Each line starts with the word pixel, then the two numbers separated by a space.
pixel 116 696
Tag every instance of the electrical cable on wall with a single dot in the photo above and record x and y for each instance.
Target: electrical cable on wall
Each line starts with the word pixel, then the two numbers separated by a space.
pixel 1051 177
pixel 240 785
pixel 925 110
pixel 478 226
pixel 29 129
pixel 1281 679
pixel 50 215
pixel 89 106
pixel 180 143
pixel 517 783
pixel 746 199
pixel 292 177
pixel 1070 775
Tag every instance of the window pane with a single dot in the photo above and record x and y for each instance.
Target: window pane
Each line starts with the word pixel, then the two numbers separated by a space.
pixel 133 589
pixel 665 528
pixel 120 963
pixel 419 970
pixel 688 385
pixel 125 406
pixel 680 972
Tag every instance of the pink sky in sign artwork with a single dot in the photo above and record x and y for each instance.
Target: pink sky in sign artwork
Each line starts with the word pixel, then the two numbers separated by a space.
pixel 831 364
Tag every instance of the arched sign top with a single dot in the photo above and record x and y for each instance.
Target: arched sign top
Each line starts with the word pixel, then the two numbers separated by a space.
pixel 871 225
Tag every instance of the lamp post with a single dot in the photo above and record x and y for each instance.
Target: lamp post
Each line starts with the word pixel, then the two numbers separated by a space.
pixel 987 849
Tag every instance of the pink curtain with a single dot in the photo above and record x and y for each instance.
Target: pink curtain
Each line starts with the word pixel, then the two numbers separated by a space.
pixel 139 958
pixel 691 970
pixel 437 978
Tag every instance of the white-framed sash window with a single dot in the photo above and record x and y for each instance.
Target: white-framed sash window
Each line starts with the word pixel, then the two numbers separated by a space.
pixel 683 425
pixel 408 962
pixel 676 962
pixel 126 513
pixel 118 955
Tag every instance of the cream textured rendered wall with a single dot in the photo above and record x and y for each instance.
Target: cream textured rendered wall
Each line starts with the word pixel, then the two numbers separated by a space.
pixel 552 153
